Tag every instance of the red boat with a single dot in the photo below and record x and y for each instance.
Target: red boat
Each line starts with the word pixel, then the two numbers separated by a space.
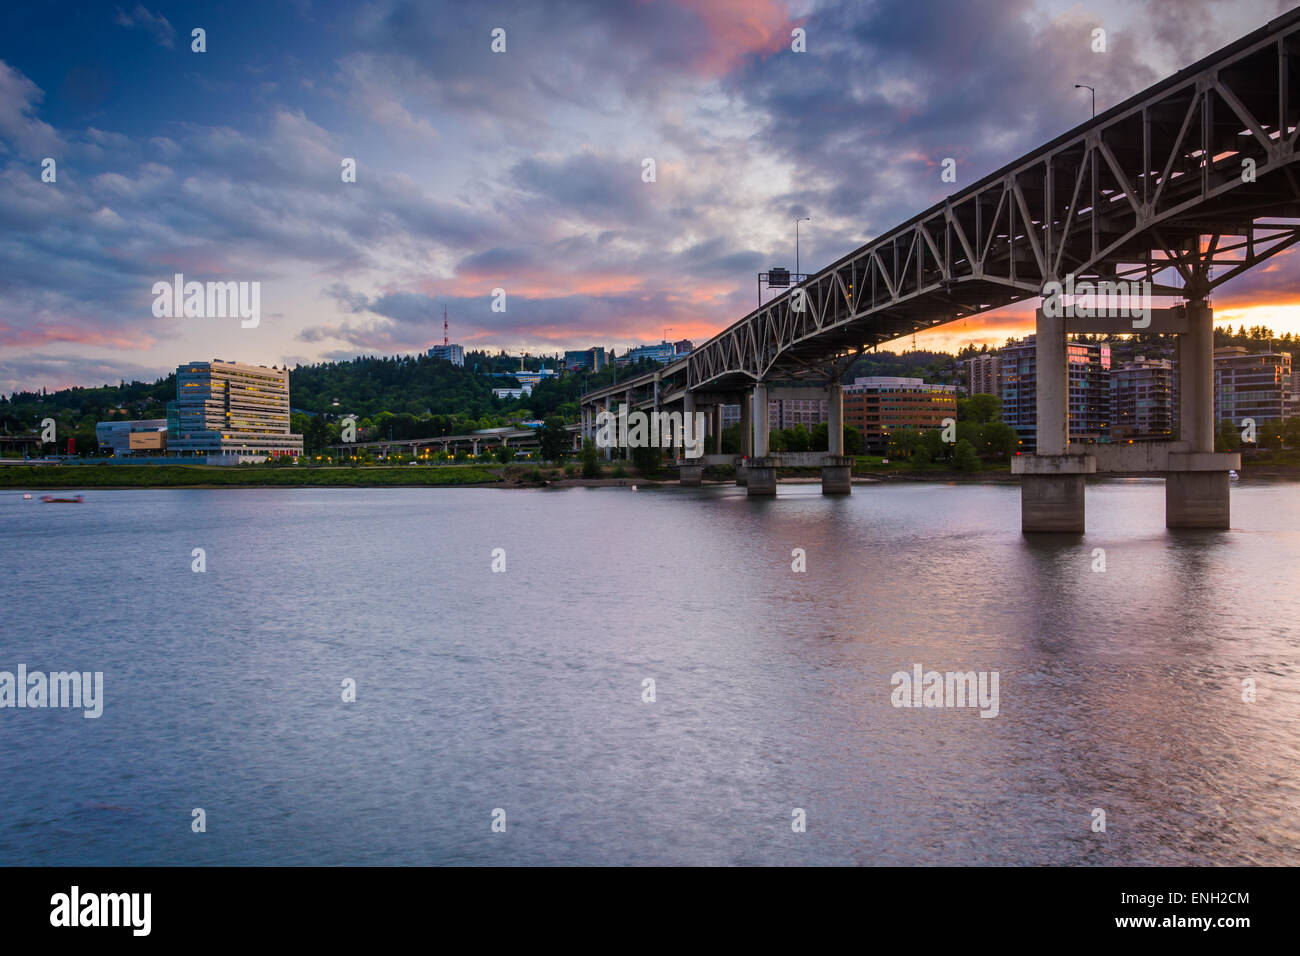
pixel 51 500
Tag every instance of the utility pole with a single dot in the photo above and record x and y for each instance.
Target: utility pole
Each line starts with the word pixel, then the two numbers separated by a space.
pixel 796 243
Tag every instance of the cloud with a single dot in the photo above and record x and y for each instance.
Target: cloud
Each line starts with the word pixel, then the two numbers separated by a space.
pixel 156 26
pixel 20 131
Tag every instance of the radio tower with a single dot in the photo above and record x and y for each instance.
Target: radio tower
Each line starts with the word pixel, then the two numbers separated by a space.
pixel 444 326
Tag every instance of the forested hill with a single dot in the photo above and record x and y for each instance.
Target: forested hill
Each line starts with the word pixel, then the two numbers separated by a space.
pixel 410 387
pixel 409 384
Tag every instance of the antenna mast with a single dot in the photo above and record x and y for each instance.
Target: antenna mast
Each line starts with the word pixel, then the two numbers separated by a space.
pixel 444 326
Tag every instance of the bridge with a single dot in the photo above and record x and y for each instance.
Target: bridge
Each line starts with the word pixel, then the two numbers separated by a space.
pixel 1184 186
pixel 522 438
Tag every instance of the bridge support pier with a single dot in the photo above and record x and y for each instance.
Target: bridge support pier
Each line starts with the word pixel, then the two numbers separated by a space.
pixel 1052 495
pixel 1196 485
pixel 690 472
pixel 746 435
pixel 837 475
pixel 760 476
pixel 1052 480
pixel 837 470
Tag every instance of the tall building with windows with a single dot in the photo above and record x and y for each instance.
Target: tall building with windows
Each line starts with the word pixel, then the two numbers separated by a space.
pixel 1251 385
pixel 983 373
pixel 452 353
pixel 878 405
pixel 229 409
pixel 1142 400
pixel 1089 384
pixel 664 353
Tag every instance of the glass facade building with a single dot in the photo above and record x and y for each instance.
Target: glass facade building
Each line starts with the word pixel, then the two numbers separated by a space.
pixel 231 409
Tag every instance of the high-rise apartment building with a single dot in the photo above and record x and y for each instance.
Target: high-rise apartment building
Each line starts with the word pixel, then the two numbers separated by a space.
pixel 231 409
pixel 1089 384
pixel 983 374
pixel 1251 385
pixel 1142 400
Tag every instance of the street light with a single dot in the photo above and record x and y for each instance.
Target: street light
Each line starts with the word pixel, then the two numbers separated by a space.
pixel 796 242
pixel 1084 86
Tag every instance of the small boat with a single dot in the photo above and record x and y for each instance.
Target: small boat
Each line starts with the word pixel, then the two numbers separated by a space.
pixel 27 497
pixel 51 500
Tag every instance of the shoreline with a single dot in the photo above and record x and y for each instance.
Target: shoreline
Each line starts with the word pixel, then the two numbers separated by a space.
pixel 479 477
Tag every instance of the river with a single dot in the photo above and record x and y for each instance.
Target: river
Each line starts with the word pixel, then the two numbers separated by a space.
pixel 525 690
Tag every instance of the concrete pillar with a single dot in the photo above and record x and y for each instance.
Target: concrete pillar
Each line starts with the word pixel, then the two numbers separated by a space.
pixel 760 421
pixel 1052 503
pixel 760 476
pixel 746 424
pixel 837 475
pixel 1053 398
pixel 609 451
pixel 835 418
pixel 690 471
pixel 1052 481
pixel 1196 379
pixel 688 415
pixel 717 429
pixel 1197 485
pixel 746 434
pixel 1197 499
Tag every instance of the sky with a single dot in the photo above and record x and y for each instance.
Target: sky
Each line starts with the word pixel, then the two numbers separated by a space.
pixel 522 170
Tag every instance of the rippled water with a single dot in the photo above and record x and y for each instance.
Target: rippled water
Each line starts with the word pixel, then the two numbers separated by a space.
pixel 1119 690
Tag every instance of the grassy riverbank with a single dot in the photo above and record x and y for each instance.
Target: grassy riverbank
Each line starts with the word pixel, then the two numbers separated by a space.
pixel 183 476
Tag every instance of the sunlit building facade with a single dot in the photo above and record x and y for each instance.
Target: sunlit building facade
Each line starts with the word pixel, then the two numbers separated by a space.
pixel 878 405
pixel 229 409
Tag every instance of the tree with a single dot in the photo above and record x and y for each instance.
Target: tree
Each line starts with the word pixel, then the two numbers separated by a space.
pixel 505 454
pixel 796 439
pixel 964 456
pixel 647 459
pixel 590 463
pixel 854 443
pixel 819 438
pixel 980 409
pixel 1228 438
pixel 554 438
pixel 997 440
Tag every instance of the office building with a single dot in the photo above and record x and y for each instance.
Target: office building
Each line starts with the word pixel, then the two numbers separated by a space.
pixel 231 410
pixel 122 437
pixel 878 405
pixel 663 353
pixel 1253 385
pixel 451 353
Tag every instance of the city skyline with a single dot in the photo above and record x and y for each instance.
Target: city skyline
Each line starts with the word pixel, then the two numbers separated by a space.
pixel 520 170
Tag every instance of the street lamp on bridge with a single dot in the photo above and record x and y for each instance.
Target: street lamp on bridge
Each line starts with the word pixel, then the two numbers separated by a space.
pixel 796 242
pixel 1084 86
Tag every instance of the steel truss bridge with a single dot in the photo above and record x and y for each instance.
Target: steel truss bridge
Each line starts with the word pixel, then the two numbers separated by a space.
pixel 1186 185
